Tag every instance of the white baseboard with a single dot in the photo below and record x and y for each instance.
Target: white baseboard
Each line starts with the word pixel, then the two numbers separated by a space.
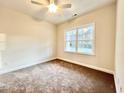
pixel 42 61
pixel 8 69
pixel 115 80
pixel 89 66
pixel 117 86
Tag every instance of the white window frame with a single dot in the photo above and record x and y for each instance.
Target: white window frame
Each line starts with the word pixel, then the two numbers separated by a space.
pixel 76 28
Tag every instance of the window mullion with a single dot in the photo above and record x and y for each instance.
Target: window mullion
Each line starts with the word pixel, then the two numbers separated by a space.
pixel 76 39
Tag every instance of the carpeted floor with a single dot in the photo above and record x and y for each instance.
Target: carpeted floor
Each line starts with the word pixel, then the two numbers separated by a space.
pixel 57 77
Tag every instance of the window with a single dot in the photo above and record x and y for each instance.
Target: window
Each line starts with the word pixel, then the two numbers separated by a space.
pixel 70 41
pixel 80 40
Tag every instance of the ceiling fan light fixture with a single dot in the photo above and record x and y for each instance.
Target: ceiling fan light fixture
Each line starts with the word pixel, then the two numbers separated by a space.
pixel 52 8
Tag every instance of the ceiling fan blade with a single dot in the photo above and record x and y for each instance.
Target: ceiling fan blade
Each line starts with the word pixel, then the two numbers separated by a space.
pixel 40 14
pixel 48 1
pixel 65 6
pixel 35 2
pixel 52 1
pixel 56 2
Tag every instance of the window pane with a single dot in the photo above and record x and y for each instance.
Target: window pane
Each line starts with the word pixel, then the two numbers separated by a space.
pixel 70 35
pixel 86 33
pixel 85 39
pixel 90 32
pixel 73 35
pixel 85 47
pixel 70 41
pixel 70 46
pixel 80 34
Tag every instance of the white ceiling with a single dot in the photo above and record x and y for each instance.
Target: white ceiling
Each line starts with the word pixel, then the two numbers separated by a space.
pixel 78 7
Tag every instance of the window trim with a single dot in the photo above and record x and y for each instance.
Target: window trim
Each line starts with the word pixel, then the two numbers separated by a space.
pixel 76 28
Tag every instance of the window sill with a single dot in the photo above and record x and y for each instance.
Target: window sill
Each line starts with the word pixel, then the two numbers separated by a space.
pixel 88 54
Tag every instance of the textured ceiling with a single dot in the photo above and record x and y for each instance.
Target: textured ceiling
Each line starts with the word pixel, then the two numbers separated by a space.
pixel 78 7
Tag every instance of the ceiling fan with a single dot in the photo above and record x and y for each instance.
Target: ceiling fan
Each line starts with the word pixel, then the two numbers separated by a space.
pixel 51 5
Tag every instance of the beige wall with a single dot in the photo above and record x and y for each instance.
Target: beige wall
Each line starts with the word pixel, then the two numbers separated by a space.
pixel 27 40
pixel 119 65
pixel 1 64
pixel 104 19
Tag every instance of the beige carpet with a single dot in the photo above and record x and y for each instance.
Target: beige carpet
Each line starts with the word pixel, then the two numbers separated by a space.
pixel 56 77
